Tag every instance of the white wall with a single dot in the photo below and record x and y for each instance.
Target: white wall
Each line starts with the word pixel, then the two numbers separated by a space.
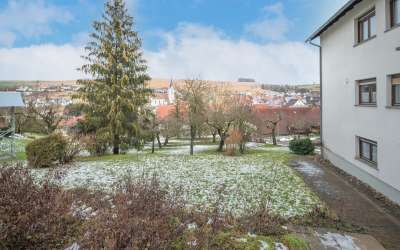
pixel 343 64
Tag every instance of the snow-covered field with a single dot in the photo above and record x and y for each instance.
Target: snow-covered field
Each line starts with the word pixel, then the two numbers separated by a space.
pixel 243 183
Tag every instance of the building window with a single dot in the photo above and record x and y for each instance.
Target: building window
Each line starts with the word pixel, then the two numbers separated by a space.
pixel 367 92
pixel 368 150
pixel 394 12
pixel 366 26
pixel 396 90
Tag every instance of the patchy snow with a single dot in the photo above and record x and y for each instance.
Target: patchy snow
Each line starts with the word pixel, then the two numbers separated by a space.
pixel 192 226
pixel 244 240
pixel 280 246
pixel 285 139
pixel 308 168
pixel 264 245
pixel 279 148
pixel 338 241
pixel 185 149
pixel 243 182
pixel 74 246
pixel 80 210
pixel 254 144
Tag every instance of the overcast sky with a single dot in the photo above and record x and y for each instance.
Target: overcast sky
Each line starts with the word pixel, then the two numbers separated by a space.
pixel 210 39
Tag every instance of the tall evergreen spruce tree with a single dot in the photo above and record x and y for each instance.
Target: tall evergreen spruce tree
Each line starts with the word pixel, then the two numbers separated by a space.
pixel 117 89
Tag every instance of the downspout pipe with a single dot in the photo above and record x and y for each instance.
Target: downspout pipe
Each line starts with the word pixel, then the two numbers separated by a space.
pixel 321 96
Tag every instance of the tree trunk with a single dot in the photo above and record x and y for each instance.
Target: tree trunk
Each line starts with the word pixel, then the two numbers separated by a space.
pixel 222 137
pixel 166 140
pixel 159 141
pixel 221 144
pixel 214 135
pixel 274 136
pixel 116 143
pixel 242 147
pixel 152 143
pixel 192 137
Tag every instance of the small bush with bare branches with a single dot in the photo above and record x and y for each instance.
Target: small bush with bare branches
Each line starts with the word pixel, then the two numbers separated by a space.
pixel 34 216
pixel 234 139
pixel 141 217
pixel 139 214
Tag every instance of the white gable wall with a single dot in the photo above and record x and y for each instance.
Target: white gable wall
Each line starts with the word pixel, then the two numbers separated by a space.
pixel 343 64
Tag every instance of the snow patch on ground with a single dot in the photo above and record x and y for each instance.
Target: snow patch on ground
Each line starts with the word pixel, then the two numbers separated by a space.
pixel 338 241
pixel 185 150
pixel 264 245
pixel 280 246
pixel 74 246
pixel 243 182
pixel 308 168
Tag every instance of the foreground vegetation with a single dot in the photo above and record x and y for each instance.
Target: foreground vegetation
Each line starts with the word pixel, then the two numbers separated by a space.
pixel 166 200
pixel 140 214
pixel 240 183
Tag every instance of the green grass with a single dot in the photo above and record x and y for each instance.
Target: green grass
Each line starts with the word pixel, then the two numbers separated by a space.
pixel 20 156
pixel 294 242
pixel 234 241
pixel 20 145
pixel 274 155
pixel 110 157
pixel 267 145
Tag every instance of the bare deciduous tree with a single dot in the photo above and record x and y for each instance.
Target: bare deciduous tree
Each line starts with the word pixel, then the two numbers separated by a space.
pixel 193 93
pixel 220 115
pixel 46 112
pixel 242 114
pixel 273 124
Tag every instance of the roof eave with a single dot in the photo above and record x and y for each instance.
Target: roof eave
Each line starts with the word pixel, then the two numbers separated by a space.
pixel 340 13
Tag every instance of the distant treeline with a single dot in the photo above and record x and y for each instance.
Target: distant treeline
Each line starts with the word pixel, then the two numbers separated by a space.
pixel 287 88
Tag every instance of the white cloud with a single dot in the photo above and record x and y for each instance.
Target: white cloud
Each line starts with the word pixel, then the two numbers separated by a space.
pixel 199 51
pixel 29 18
pixel 41 62
pixel 190 51
pixel 272 26
pixel 80 39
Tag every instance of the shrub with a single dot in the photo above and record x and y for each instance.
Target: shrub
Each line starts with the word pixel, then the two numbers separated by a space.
pixel 46 151
pixel 124 147
pixel 262 222
pixel 142 217
pixel 302 146
pixel 138 215
pixel 97 144
pixel 234 139
pixel 72 149
pixel 34 216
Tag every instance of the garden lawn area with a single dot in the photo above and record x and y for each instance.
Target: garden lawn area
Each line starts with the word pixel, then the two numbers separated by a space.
pixel 20 144
pixel 239 184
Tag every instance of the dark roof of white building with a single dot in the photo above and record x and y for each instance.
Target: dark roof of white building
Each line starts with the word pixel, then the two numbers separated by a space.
pixel 11 99
pixel 339 14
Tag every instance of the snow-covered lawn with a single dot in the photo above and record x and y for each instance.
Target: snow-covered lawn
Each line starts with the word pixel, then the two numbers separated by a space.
pixel 244 182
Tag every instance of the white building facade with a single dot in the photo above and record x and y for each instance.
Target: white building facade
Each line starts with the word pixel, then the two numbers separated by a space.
pixel 360 65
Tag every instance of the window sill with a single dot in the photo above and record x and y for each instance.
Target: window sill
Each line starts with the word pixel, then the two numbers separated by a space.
pixel 365 41
pixel 368 163
pixel 393 107
pixel 366 105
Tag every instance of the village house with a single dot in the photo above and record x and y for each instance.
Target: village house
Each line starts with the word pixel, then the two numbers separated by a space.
pixel 360 75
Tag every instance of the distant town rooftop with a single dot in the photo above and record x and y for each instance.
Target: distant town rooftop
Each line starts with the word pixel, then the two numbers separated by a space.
pixel 11 99
pixel 339 14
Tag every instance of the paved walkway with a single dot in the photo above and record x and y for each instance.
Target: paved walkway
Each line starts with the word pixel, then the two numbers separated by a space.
pixel 351 205
pixel 326 239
